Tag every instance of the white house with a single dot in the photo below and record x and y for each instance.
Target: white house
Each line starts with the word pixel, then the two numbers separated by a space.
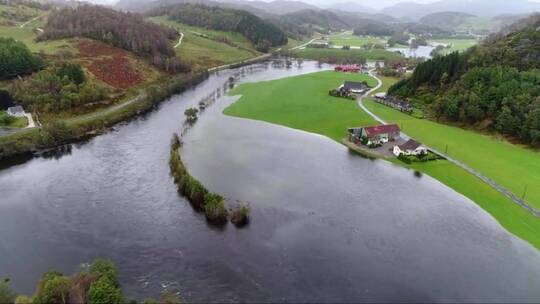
pixel 411 147
pixel 16 111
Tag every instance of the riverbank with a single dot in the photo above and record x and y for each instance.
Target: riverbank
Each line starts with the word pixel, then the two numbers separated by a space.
pixel 301 103
pixel 83 127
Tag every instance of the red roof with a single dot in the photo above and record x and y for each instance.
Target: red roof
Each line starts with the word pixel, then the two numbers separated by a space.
pixel 381 129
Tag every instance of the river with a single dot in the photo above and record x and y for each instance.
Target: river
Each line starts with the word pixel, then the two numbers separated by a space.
pixel 326 225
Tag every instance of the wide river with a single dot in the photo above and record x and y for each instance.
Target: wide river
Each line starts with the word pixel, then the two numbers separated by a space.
pixel 326 225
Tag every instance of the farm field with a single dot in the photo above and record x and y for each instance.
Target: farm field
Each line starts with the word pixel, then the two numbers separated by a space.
pixel 459 45
pixel 201 49
pixel 302 102
pixel 349 39
pixel 27 35
pixel 512 166
pixel 338 55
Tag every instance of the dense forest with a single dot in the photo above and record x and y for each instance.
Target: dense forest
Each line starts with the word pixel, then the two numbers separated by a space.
pixel 494 85
pixel 16 59
pixel 262 34
pixel 124 30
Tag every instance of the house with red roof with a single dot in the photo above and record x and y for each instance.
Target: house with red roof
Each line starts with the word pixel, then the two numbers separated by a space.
pixel 375 135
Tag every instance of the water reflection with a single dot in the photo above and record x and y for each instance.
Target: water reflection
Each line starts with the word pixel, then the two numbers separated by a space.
pixel 326 225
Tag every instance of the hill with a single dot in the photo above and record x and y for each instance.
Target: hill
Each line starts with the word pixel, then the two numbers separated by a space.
pixel 494 86
pixel 482 8
pixel 461 23
pixel 127 31
pixel 261 33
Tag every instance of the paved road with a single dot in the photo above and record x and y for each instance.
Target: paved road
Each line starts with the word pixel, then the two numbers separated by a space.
pixel 303 45
pixel 456 162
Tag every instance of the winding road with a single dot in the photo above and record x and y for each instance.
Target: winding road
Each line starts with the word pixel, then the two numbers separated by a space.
pixel 179 40
pixel 456 162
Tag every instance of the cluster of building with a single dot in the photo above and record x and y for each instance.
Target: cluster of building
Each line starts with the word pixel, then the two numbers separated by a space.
pixel 382 134
pixel 349 68
pixel 394 102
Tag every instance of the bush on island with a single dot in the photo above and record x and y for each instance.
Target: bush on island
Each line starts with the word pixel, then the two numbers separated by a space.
pixel 214 208
pixel 240 216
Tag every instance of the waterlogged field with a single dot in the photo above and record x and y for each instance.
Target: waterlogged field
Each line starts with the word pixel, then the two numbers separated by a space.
pixel 303 103
pixel 336 55
pixel 349 39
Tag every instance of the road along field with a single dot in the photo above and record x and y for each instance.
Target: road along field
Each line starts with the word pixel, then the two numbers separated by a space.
pixel 302 102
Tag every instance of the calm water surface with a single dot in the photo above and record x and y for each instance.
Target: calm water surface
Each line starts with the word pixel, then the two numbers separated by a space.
pixel 326 225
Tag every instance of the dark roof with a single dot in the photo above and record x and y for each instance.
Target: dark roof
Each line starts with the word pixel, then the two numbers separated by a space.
pixel 381 129
pixel 411 144
pixel 354 85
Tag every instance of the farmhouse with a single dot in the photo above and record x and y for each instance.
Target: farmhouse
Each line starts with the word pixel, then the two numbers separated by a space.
pixel 374 135
pixel 16 111
pixel 411 147
pixel 354 87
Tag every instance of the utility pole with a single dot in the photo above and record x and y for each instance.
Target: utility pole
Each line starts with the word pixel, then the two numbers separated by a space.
pixel 525 192
pixel 446 149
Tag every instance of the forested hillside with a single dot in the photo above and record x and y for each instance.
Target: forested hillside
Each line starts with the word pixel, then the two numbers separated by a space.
pixel 124 30
pixel 262 34
pixel 495 85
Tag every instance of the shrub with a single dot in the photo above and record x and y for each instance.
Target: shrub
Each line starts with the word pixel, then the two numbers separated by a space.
pixel 104 291
pixel 214 208
pixel 73 72
pixel 56 132
pixel 191 115
pixel 240 216
pixel 53 288
pixel 6 294
pixel 404 159
pixel 23 300
pixel 105 269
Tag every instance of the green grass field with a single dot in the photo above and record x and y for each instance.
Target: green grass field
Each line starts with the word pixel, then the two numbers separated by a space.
pixel 510 165
pixel 302 102
pixel 202 51
pixel 27 36
pixel 15 122
pixel 330 55
pixel 349 39
pixel 459 45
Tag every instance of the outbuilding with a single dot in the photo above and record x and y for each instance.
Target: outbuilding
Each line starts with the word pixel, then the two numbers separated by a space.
pixel 354 87
pixel 16 111
pixel 411 147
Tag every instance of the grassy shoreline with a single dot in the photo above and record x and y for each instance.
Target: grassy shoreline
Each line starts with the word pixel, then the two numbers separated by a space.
pixel 300 103
pixel 80 128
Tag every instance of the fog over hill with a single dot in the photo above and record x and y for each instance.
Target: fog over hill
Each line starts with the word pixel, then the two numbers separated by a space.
pixel 405 9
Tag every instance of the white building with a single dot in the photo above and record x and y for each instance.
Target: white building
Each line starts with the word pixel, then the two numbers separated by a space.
pixel 16 111
pixel 411 147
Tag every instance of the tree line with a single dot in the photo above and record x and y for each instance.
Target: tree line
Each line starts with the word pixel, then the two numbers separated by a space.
pixel 496 84
pixel 262 34
pixel 123 30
